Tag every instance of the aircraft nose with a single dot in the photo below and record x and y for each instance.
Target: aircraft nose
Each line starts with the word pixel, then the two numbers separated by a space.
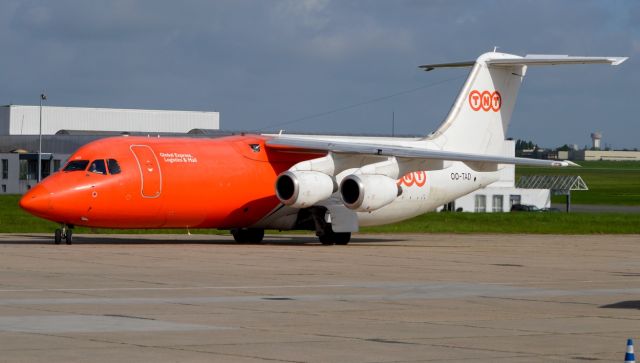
pixel 37 200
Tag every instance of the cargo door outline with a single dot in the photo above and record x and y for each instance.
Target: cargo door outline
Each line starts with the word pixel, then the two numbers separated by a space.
pixel 150 172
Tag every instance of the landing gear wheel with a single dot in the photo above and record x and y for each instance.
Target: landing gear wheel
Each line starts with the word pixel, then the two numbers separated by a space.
pixel 342 238
pixel 326 239
pixel 68 238
pixel 248 235
pixel 65 232
pixel 324 231
pixel 57 236
pixel 338 238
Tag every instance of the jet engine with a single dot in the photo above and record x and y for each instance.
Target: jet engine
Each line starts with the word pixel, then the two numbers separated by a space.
pixel 366 193
pixel 302 189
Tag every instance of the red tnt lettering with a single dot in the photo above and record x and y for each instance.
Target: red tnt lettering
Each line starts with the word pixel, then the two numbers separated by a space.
pixel 474 100
pixel 496 101
pixel 485 100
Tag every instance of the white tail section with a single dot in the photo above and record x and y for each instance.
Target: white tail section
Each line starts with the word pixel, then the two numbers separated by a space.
pixel 478 120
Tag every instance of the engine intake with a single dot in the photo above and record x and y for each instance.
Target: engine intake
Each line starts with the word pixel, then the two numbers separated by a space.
pixel 301 189
pixel 366 193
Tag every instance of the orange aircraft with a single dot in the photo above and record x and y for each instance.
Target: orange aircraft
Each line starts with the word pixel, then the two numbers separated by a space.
pixel 330 184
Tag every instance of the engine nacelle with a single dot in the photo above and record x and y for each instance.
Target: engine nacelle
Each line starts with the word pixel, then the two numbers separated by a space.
pixel 366 193
pixel 302 189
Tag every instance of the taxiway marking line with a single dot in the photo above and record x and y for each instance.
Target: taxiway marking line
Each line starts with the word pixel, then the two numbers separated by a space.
pixel 176 288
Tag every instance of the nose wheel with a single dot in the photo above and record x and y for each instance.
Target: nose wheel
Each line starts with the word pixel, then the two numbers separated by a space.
pixel 64 233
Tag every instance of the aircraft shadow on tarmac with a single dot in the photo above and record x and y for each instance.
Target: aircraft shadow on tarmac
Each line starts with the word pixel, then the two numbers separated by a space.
pixel 272 240
pixel 629 304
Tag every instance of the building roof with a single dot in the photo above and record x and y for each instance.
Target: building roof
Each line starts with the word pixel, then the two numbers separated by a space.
pixel 558 184
pixel 33 120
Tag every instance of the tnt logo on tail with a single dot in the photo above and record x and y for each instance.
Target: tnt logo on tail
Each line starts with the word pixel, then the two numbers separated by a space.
pixel 485 101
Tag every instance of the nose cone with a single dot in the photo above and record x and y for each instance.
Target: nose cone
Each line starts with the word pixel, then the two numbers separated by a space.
pixel 37 201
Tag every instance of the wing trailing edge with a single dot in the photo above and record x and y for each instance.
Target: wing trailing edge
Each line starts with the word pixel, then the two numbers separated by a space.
pixel 341 147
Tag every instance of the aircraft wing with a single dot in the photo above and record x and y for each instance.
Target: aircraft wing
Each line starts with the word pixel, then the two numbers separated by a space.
pixel 308 145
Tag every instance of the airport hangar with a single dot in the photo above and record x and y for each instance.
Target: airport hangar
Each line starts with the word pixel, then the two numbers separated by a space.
pixel 65 129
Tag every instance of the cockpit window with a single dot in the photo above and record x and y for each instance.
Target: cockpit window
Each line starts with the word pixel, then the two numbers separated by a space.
pixel 114 167
pixel 98 167
pixel 76 165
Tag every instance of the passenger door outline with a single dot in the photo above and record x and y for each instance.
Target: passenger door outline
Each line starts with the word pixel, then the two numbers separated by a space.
pixel 150 172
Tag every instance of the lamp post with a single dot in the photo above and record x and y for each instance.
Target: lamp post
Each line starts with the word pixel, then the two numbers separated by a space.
pixel 43 97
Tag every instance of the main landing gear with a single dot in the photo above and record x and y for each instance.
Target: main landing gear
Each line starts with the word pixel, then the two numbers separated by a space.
pixel 329 237
pixel 65 232
pixel 324 231
pixel 248 235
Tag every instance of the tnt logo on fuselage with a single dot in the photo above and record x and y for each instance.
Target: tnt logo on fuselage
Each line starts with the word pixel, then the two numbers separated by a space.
pixel 485 101
pixel 417 178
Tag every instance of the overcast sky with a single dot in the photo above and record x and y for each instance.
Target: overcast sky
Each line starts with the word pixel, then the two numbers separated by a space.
pixel 266 64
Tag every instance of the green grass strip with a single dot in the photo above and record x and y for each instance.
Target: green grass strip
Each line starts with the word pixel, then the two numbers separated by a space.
pixel 519 222
pixel 15 220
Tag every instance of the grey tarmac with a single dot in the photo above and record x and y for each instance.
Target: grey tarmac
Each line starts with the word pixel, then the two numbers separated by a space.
pixel 382 298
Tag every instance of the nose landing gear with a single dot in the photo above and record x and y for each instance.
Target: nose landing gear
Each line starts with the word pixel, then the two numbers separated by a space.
pixel 65 232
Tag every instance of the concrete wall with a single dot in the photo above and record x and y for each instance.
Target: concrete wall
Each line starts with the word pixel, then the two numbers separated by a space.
pixel 563 155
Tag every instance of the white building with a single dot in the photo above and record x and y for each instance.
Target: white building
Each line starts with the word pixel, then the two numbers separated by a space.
pixel 617 155
pixel 501 195
pixel 25 120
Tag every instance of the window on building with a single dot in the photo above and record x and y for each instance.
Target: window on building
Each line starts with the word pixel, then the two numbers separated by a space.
pixel 4 188
pixel 514 199
pixel 481 203
pixel 24 169
pixel 5 169
pixel 56 165
pixel 46 168
pixel 497 203
pixel 28 169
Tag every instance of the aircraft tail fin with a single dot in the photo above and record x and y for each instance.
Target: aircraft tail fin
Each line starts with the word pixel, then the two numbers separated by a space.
pixel 479 118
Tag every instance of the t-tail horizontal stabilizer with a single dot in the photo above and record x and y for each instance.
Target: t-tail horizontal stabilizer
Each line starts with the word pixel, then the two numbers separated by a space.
pixel 532 60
